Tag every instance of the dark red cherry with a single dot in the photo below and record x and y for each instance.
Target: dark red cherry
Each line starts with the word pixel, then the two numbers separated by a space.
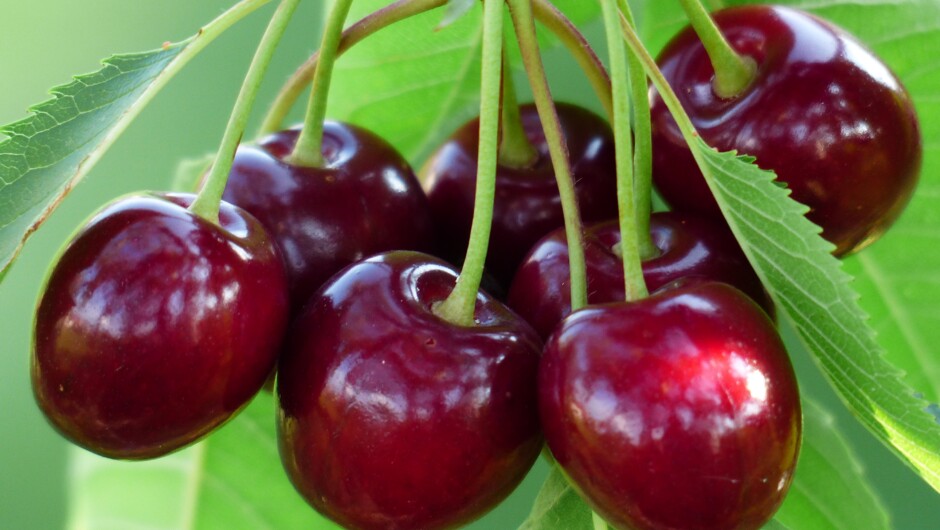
pixel 156 326
pixel 364 201
pixel 689 246
pixel 824 113
pixel 389 416
pixel 527 204
pixel 677 411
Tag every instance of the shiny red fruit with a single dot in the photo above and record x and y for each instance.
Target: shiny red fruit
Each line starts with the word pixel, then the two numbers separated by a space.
pixel 689 246
pixel 527 204
pixel 824 113
pixel 156 326
pixel 677 411
pixel 391 417
pixel 364 201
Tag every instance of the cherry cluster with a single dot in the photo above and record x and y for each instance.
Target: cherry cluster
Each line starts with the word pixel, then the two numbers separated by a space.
pixel 678 410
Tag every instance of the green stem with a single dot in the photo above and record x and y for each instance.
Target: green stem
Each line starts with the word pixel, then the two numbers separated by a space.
pixel 207 202
pixel 642 148
pixel 733 72
pixel 515 149
pixel 579 48
pixel 662 86
pixel 459 306
pixel 634 284
pixel 525 34
pixel 365 27
pixel 308 151
pixel 599 522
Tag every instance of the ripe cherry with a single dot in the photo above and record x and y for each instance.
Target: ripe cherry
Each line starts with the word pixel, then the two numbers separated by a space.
pixel 527 204
pixel 364 201
pixel 156 326
pixel 689 246
pixel 823 112
pixel 677 411
pixel 391 417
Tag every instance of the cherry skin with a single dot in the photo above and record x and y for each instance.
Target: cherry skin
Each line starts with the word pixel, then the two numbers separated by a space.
pixel 680 410
pixel 156 326
pixel 689 246
pixel 391 417
pixel 364 201
pixel 527 205
pixel 823 112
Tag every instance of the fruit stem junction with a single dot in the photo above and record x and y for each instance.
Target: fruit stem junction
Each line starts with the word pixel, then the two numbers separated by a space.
pixel 459 306
pixel 207 203
pixel 308 149
pixel 733 72
pixel 634 284
pixel 521 12
pixel 642 148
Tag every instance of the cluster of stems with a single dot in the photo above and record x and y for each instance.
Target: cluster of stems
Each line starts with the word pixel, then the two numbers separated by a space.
pixel 502 138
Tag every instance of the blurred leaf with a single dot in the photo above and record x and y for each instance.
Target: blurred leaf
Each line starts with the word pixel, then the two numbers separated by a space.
pixel 189 172
pixel 558 505
pixel 813 291
pixel 455 10
pixel 829 490
pixel 413 85
pixel 47 153
pixel 231 480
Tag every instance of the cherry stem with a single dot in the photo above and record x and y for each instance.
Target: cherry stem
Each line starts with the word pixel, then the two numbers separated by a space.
pixel 308 151
pixel 642 148
pixel 634 284
pixel 521 11
pixel 579 48
pixel 685 125
pixel 515 149
pixel 459 306
pixel 599 522
pixel 733 72
pixel 354 34
pixel 207 203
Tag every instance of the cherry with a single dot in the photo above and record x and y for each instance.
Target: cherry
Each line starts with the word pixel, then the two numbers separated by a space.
pixel 365 201
pixel 689 246
pixel 527 204
pixel 156 326
pixel 391 417
pixel 823 112
pixel 676 411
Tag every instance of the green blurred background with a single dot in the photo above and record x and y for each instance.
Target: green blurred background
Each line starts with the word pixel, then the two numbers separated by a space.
pixel 42 43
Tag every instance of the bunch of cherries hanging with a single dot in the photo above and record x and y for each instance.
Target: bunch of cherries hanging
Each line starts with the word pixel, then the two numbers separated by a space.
pixel 646 355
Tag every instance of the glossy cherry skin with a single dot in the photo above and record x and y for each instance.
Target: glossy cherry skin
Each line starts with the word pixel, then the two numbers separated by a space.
pixel 677 411
pixel 824 113
pixel 156 326
pixel 389 416
pixel 527 204
pixel 689 246
pixel 365 200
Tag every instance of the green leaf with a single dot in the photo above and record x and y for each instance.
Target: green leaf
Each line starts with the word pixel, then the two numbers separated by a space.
pixel 189 172
pixel 232 480
pixel 558 505
pixel 47 153
pixel 455 10
pixel 812 291
pixel 829 491
pixel 899 276
pixel 413 85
